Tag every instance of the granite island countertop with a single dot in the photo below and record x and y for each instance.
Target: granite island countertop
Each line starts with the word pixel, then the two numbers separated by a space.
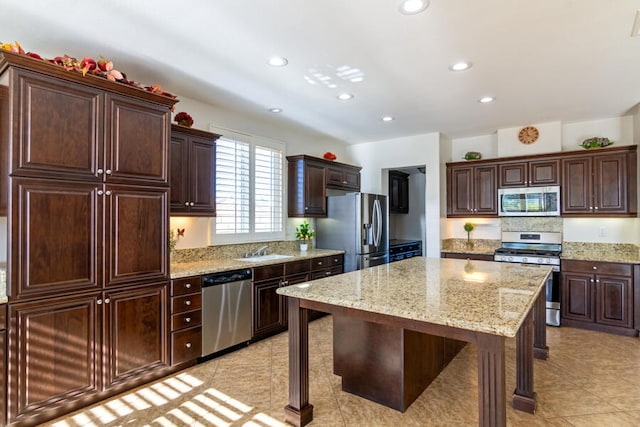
pixel 481 296
pixel 206 266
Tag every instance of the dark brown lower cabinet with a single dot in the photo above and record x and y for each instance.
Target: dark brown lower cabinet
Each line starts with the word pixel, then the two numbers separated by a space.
pixel 69 351
pixel 599 295
pixel 3 365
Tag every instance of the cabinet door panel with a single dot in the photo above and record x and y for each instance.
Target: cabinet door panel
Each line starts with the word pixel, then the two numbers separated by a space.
pixel 544 172
pixel 56 229
pixel 137 138
pixel 202 164
pixel 615 301
pixel 179 173
pixel 610 186
pixel 55 350
pixel 576 185
pixel 268 314
pixel 513 174
pixel 135 332
pixel 486 198
pixel 460 191
pixel 60 127
pixel 136 235
pixel 315 200
pixel 577 297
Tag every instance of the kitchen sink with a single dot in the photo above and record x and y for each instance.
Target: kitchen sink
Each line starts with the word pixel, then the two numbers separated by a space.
pixel 261 258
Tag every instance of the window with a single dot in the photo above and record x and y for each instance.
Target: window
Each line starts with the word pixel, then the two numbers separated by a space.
pixel 249 189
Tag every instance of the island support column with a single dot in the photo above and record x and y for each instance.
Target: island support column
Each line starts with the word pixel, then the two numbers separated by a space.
pixel 298 412
pixel 492 406
pixel 540 348
pixel 524 398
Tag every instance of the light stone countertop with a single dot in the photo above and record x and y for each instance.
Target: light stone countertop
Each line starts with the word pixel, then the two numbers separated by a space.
pixel 482 296
pixel 196 268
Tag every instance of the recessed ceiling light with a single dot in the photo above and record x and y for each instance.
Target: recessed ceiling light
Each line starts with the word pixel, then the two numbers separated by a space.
pixel 387 119
pixel 460 66
pixel 486 99
pixel 411 7
pixel 278 61
pixel 275 110
pixel 345 96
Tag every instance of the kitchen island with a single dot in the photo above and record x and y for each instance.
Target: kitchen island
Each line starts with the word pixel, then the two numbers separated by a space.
pixel 481 302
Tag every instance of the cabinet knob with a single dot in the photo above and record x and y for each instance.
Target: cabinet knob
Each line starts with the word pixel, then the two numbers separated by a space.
pixel 188 285
pixel 99 302
pixel 327 273
pixel 107 300
pixel 306 208
pixel 344 182
pixel 597 280
pixel 108 171
pixel 108 192
pixel 595 208
pixel 100 171
pixel 319 262
pixel 187 319
pixel 595 267
pixel 186 203
pixel 188 345
pixel 335 260
pixel 191 204
pixel 100 192
pixel 187 302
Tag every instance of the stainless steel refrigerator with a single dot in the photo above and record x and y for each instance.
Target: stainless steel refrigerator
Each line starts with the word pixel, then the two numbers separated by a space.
pixel 358 224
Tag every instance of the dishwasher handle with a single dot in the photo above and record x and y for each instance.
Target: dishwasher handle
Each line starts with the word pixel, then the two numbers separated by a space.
pixel 221 278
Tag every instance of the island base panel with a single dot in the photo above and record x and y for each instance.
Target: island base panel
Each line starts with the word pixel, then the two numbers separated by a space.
pixel 388 365
pixel 298 418
pixel 299 411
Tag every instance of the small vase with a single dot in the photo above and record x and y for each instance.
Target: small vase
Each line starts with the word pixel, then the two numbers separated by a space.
pixel 304 247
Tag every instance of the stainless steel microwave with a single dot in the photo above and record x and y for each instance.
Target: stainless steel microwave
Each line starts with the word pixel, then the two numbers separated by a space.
pixel 529 201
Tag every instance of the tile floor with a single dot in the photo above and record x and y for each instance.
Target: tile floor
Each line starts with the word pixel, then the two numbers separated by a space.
pixel 591 379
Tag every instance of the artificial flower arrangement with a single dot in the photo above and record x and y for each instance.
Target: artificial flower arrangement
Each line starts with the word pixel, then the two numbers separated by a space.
pixel 184 119
pixel 468 227
pixel 101 68
pixel 597 142
pixel 329 156
pixel 303 232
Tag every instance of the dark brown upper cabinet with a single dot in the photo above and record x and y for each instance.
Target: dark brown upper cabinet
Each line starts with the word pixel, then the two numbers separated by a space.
pixel 79 132
pixel 532 173
pixel 601 182
pixel 308 180
pixel 193 175
pixel 398 192
pixel 472 190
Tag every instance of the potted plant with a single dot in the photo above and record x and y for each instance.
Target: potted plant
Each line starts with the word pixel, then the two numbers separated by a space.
pixel 304 233
pixel 468 227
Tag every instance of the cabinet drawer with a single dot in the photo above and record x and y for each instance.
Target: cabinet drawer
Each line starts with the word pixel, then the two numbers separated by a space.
pixel 188 319
pixel 297 267
pixel 326 273
pixel 187 285
pixel 186 345
pixel 595 267
pixel 186 303
pixel 321 263
pixel 268 272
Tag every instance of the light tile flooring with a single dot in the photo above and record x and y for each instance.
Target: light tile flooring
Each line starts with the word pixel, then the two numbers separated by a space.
pixel 591 379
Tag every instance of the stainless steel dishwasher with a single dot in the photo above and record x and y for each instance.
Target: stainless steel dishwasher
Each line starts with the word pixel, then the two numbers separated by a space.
pixel 226 310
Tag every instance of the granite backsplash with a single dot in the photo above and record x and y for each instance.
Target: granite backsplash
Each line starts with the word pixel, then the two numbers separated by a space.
pixel 232 251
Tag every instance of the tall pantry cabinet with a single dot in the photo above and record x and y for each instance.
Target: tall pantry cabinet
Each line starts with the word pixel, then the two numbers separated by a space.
pixel 85 185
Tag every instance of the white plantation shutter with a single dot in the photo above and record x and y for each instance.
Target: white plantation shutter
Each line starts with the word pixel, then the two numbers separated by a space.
pixel 249 188
pixel 232 186
pixel 268 190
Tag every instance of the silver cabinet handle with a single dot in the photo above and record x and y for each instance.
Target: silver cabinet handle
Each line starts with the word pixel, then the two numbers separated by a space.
pixel 188 286
pixel 595 267
pixel 100 171
pixel 100 192
pixel 108 192
pixel 306 208
pixel 107 300
pixel 99 302
pixel 319 262
pixel 108 171
pixel 327 273
pixel 595 208
pixel 187 302
pixel 192 204
pixel 188 345
pixel 597 280
pixel 187 319
pixel 186 203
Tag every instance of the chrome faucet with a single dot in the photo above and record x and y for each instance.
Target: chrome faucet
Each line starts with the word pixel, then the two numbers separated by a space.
pixel 261 251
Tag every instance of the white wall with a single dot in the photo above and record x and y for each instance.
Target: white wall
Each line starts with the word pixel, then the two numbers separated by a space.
pixel 602 230
pixel 424 149
pixel 549 140
pixel 617 129
pixel 486 145
pixel 3 239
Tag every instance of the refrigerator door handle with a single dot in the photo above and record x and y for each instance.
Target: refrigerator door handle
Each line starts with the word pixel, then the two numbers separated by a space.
pixel 378 222
pixel 375 258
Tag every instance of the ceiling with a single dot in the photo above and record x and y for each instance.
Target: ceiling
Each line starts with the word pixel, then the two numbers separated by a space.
pixel 544 60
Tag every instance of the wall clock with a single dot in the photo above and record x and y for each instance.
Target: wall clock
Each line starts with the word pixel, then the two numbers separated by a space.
pixel 528 135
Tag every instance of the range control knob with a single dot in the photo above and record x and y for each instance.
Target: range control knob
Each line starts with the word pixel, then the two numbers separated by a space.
pixel 540 261
pixel 510 258
pixel 525 260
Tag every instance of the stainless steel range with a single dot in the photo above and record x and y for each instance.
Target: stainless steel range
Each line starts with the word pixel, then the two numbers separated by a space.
pixel 527 247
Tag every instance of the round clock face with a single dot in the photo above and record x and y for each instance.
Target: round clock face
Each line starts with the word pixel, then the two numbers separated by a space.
pixel 528 135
